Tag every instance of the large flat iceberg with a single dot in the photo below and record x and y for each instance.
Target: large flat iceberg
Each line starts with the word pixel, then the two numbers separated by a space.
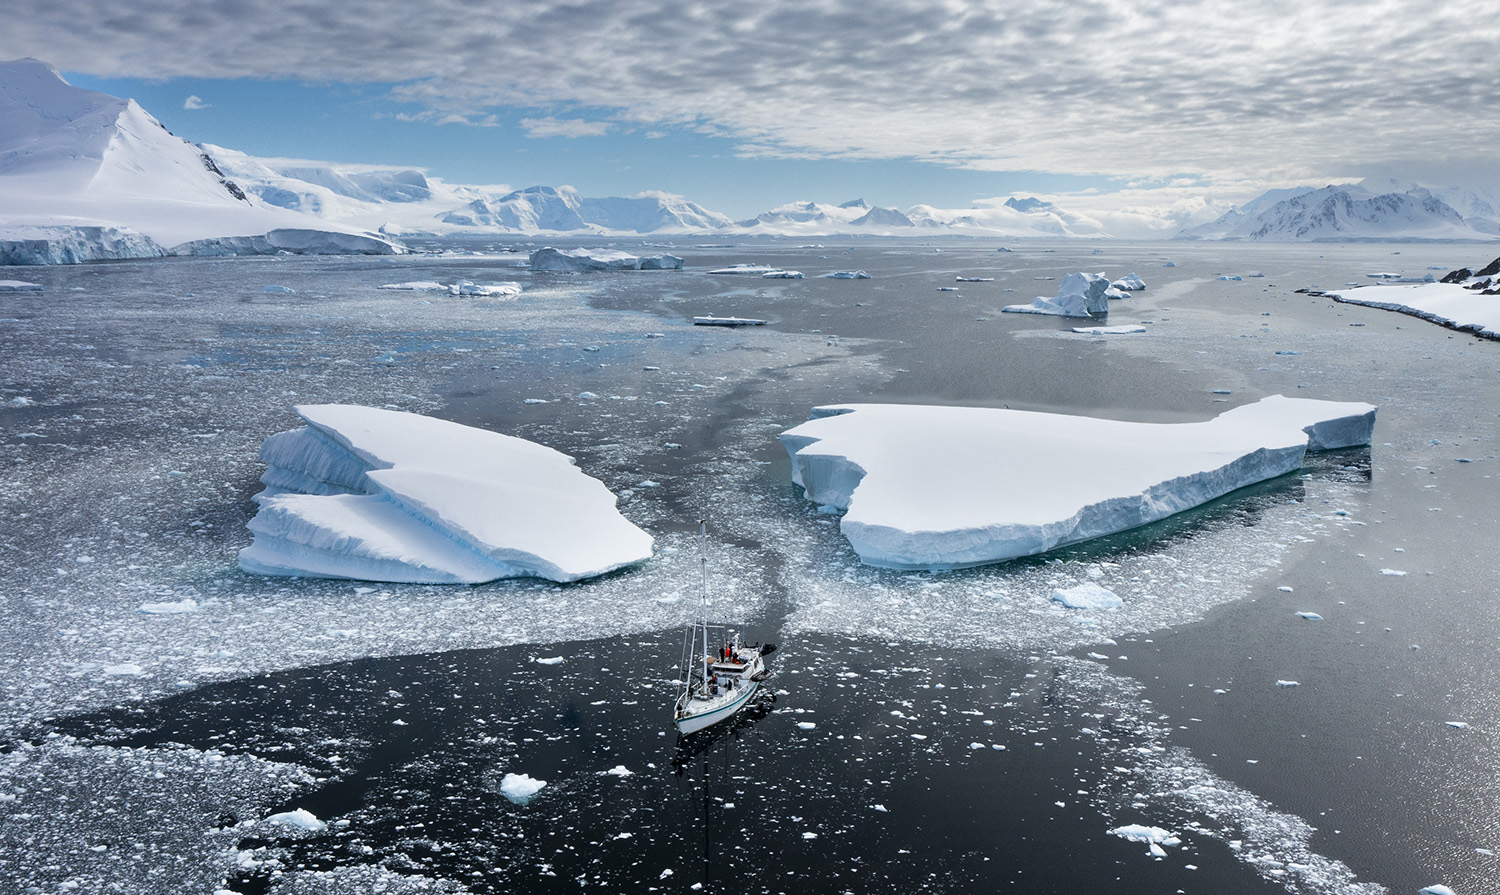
pixel 381 495
pixel 948 487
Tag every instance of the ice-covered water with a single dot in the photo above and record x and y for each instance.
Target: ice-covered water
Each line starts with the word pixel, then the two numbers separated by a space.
pixel 136 394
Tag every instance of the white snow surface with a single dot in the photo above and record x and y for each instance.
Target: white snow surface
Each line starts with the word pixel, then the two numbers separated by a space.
pixel 949 487
pixel 107 180
pixel 1079 295
pixel 600 259
pixel 1448 304
pixel 383 495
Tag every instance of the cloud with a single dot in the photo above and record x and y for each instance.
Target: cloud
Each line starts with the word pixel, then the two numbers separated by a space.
pixel 193 102
pixel 1280 91
pixel 572 127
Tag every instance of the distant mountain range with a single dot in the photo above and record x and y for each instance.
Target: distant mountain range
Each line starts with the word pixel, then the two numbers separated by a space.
pixel 1368 210
pixel 87 175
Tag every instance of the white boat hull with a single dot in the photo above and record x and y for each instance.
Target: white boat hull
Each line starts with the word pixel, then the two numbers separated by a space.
pixel 714 711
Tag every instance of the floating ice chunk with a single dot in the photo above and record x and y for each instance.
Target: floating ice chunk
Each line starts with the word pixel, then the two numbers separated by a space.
pixel 727 321
pixel 1396 572
pixel 782 275
pixel 381 495
pixel 599 259
pixel 1079 295
pixel 746 269
pixel 520 788
pixel 1122 330
pixel 807 725
pixel 1437 889
pixel 1287 684
pixel 281 290
pixel 126 669
pixel 1154 837
pixel 879 807
pixel 1229 276
pixel 1310 616
pixel 847 275
pixel 417 286
pixel 1284 589
pixel 974 279
pixel 1129 283
pixel 1458 725
pixel 618 770
pixel 467 288
pixel 1087 596
pixel 552 660
pixel 1169 264
pixel 19 286
pixel 301 819
pixel 947 487
pixel 172 608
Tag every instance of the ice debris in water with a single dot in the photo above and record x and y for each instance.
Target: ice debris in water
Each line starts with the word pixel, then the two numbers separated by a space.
pixel 300 818
pixel 382 495
pixel 1310 616
pixel 552 660
pixel 618 770
pixel 1087 596
pixel 1154 837
pixel 949 487
pixel 520 788
pixel 1395 572
pixel 1437 889
pixel 169 608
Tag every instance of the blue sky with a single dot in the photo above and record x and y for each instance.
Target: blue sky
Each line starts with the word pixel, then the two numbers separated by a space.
pixel 359 123
pixel 1146 112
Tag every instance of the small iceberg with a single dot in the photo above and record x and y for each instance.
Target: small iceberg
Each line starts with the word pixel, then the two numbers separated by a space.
pixel 1129 283
pixel 381 495
pixel 846 275
pixel 300 819
pixel 1087 596
pixel 782 275
pixel 520 788
pixel 727 321
pixel 1154 837
pixel 579 260
pixel 19 286
pixel 1079 295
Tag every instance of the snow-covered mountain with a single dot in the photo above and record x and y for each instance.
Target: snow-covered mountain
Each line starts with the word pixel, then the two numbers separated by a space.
pixel 1011 219
pixel 543 208
pixel 77 164
pixel 1366 210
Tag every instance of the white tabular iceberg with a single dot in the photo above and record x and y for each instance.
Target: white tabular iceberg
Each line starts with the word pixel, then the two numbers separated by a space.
pixel 1079 295
pixel 947 487
pixel 600 259
pixel 381 495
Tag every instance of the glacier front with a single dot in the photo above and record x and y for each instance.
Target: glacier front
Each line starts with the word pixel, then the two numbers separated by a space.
pixel 382 495
pixel 928 487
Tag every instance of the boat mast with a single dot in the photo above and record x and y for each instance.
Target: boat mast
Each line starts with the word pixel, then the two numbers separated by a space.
pixel 703 568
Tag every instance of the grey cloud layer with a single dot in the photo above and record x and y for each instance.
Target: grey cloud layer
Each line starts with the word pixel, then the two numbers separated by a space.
pixel 1264 90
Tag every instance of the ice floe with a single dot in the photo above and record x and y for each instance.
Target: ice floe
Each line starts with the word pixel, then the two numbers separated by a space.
pixel 1154 837
pixel 383 495
pixel 1079 295
pixel 1463 301
pixel 1087 596
pixel 19 286
pixel 520 788
pixel 600 259
pixel 847 275
pixel 1122 330
pixel 948 487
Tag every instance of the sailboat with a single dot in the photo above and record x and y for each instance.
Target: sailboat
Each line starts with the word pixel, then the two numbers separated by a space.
pixel 720 673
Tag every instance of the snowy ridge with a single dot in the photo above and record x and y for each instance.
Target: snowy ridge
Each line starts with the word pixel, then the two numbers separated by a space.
pixel 1366 210
pixel 85 176
pixel 947 487
pixel 383 495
